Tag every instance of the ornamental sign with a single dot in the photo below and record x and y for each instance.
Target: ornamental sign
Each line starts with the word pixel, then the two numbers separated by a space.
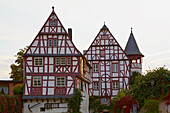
pixel 51 105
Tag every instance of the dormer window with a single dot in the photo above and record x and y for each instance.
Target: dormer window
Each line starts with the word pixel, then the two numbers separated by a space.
pixel 53 23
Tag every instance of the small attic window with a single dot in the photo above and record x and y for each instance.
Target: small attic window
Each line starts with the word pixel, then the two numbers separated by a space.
pixel 53 23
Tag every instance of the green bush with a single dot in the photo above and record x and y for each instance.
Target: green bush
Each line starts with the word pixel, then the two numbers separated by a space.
pixel 18 89
pixel 151 106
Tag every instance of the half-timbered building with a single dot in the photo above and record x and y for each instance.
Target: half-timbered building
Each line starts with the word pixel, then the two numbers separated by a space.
pixel 53 68
pixel 111 65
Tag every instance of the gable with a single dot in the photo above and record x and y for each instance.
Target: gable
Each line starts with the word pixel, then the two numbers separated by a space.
pixel 105 47
pixel 52 39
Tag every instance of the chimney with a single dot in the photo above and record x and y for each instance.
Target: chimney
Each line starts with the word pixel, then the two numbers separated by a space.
pixel 70 33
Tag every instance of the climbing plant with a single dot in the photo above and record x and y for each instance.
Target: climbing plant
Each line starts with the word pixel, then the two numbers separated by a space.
pixel 125 104
pixel 75 102
pixel 10 104
pixel 142 89
pixel 95 104
pixel 97 107
pixel 133 76
pixel 151 106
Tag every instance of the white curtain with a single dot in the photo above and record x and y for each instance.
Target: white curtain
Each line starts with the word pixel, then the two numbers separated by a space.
pixel 5 88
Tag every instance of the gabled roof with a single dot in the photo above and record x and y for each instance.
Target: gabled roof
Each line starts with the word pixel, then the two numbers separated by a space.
pixel 105 41
pixel 132 47
pixel 65 46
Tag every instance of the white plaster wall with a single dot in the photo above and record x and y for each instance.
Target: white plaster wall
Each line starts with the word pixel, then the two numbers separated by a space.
pixel 36 109
pixel 85 103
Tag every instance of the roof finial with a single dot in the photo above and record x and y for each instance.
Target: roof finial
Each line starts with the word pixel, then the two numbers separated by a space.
pixel 53 8
pixel 104 22
pixel 131 29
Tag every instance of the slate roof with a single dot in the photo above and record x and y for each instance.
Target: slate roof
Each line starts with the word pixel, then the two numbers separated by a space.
pixel 132 47
pixel 104 27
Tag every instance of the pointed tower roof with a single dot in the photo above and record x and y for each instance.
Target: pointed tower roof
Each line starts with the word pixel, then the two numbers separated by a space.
pixel 132 47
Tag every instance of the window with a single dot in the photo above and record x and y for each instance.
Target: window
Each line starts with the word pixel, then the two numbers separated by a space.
pixel 57 61
pixel 42 109
pixel 95 68
pixel 102 42
pixel 133 61
pixel 37 81
pixel 68 61
pixel 53 23
pixel 115 84
pixel 115 67
pixel 38 61
pixel 105 100
pixel 96 85
pixel 49 43
pixel 102 53
pixel 55 43
pixel 60 81
pixel 63 61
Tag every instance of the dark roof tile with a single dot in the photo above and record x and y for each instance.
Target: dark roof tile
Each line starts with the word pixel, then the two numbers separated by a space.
pixel 132 47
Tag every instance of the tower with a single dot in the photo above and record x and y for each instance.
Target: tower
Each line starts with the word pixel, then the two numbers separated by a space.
pixel 133 52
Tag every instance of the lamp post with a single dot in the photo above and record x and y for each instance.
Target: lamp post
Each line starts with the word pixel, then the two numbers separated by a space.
pixel 152 83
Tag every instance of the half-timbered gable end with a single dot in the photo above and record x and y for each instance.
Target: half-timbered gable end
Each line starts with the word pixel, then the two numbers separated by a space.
pixel 110 66
pixel 53 68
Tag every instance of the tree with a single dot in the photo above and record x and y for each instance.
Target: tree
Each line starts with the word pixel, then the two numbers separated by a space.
pixel 151 106
pixel 142 89
pixel 96 106
pixel 133 76
pixel 94 103
pixel 17 68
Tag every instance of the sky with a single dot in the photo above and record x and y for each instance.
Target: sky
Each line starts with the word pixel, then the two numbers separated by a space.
pixel 21 20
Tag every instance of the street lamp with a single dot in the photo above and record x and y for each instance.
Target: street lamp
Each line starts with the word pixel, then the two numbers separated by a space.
pixel 152 83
